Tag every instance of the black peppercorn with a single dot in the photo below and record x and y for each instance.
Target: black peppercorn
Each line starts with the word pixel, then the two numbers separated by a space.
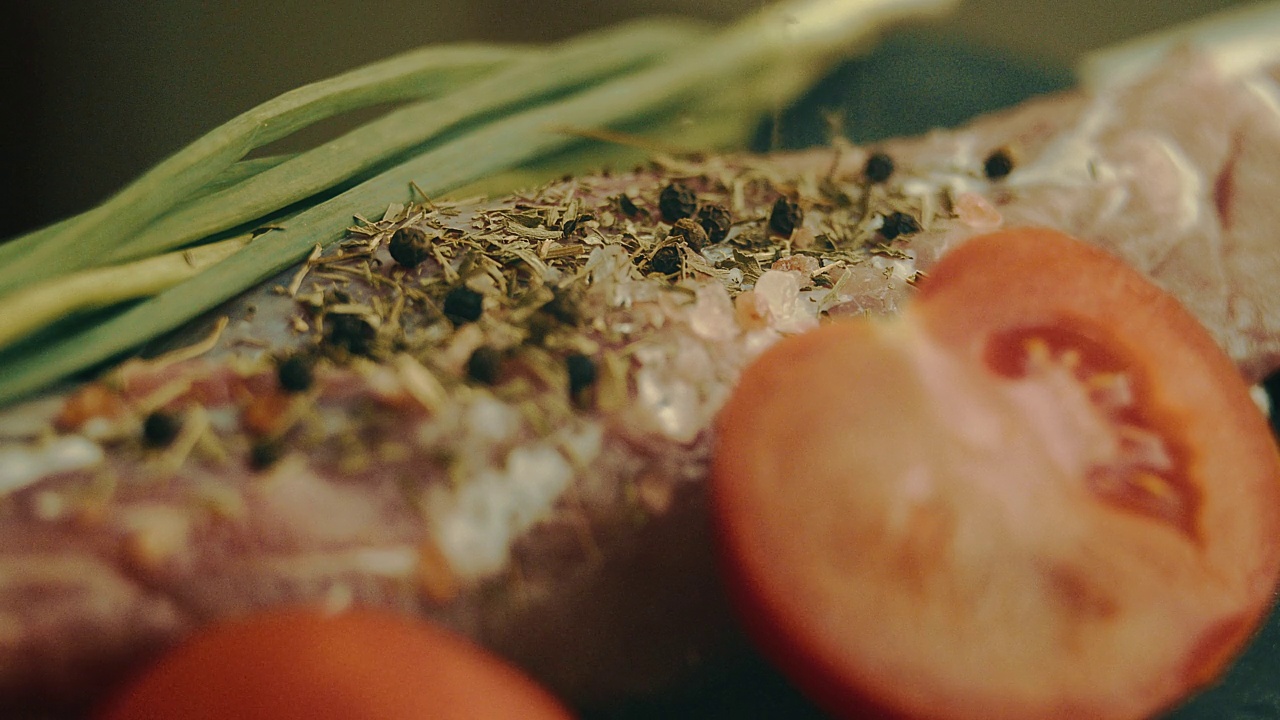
pixel 160 428
pixel 294 374
pixel 691 232
pixel 265 454
pixel 715 220
pixel 998 164
pixel 627 206
pixel 677 201
pixel 897 224
pixel 879 168
pixel 666 260
pixel 463 305
pixel 785 217
pixel 484 365
pixel 351 333
pixel 409 246
pixel 582 372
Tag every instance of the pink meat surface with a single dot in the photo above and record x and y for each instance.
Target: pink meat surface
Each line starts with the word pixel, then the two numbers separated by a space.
pixel 544 495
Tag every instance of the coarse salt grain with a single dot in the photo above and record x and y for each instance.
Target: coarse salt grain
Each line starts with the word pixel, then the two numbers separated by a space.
pixel 21 466
pixel 692 362
pixel 667 405
pixel 154 534
pixel 475 524
pixel 748 313
pixel 582 443
pixel 806 265
pixel 537 475
pixel 490 420
pixel 712 316
pixel 778 298
pixel 975 211
pixel 471 525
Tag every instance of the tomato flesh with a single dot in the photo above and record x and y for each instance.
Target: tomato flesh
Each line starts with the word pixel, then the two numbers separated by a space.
pixel 1042 491
pixel 355 665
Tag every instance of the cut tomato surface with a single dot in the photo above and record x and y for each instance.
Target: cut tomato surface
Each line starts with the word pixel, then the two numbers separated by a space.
pixel 356 665
pixel 1040 492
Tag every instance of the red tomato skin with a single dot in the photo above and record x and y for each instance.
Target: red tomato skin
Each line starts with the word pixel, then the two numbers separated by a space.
pixel 769 626
pixel 1176 357
pixel 356 665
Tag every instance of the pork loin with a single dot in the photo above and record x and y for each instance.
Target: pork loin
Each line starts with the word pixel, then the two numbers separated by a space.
pixel 496 413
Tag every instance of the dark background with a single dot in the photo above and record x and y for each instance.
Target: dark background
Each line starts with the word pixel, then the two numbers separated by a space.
pixel 92 92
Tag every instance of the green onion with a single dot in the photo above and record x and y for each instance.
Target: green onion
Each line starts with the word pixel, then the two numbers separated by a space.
pixel 34 307
pixel 743 70
pixel 272 183
pixel 540 75
pixel 422 73
pixel 236 173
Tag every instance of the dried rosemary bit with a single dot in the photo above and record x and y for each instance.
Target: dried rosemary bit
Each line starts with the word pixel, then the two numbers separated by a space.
pixel 715 220
pixel 677 201
pixel 897 224
pixel 785 217
pixel 998 164
pixel 351 333
pixel 570 226
pixel 160 428
pixel 690 232
pixel 582 372
pixel 463 305
pixel 410 246
pixel 879 168
pixel 485 365
pixel 295 374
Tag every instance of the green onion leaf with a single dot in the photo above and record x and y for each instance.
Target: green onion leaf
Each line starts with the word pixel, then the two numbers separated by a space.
pixel 540 75
pixel 742 71
pixel 422 73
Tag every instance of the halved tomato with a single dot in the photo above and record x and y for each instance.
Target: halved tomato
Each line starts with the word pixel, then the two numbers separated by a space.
pixel 1041 492
pixel 306 664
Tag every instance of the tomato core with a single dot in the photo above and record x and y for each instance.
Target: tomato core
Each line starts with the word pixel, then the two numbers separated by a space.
pixel 1142 470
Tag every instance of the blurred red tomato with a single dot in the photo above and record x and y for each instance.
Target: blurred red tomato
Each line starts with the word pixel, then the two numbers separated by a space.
pixel 304 664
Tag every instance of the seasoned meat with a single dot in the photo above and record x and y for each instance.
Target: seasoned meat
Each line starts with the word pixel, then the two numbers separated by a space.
pixel 501 419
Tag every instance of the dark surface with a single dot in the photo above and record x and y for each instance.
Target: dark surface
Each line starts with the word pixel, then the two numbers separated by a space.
pixel 908 87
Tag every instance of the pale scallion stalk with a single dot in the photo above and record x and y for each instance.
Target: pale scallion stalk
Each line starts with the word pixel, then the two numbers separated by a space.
pixel 418 74
pixel 37 306
pixel 537 77
pixel 237 173
pixel 802 34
